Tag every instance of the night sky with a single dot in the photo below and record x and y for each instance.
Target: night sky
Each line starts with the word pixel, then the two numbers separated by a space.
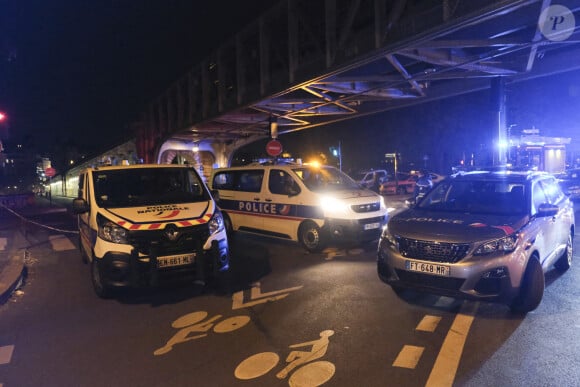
pixel 80 71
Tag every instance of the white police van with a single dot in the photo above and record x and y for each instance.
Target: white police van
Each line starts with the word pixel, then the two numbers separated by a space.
pixel 138 223
pixel 310 204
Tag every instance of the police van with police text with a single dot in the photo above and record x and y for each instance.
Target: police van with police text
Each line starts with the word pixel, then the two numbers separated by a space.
pixel 311 204
pixel 142 223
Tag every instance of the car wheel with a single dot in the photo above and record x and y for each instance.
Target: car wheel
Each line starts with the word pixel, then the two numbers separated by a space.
pixel 101 289
pixel 397 290
pixel 531 288
pixel 311 237
pixel 565 261
pixel 228 225
pixel 84 257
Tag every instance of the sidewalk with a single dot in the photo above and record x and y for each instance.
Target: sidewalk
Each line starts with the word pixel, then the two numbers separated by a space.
pixel 13 244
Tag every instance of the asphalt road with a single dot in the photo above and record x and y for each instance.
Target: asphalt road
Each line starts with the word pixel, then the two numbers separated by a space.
pixel 291 318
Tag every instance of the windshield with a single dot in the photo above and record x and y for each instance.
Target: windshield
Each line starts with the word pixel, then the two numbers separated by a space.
pixel 147 186
pixel 477 196
pixel 325 179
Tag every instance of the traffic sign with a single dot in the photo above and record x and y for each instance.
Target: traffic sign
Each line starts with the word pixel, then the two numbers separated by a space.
pixel 50 172
pixel 274 147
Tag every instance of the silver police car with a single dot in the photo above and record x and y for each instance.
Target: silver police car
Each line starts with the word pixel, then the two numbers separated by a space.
pixel 482 235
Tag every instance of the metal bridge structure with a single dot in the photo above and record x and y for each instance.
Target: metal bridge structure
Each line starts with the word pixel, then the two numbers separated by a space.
pixel 308 63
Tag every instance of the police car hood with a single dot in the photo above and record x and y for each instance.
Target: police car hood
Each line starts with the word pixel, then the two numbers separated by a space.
pixel 454 227
pixel 351 193
pixel 162 213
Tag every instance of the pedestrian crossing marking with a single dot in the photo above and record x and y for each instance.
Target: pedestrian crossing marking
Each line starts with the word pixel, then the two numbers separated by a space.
pixel 61 243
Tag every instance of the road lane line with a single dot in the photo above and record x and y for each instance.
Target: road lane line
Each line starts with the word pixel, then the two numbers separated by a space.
pixel 61 243
pixel 408 357
pixel 6 354
pixel 445 368
pixel 428 323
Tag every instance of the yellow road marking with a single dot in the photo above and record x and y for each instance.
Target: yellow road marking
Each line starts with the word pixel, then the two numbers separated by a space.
pixel 428 323
pixel 408 357
pixel 6 354
pixel 445 368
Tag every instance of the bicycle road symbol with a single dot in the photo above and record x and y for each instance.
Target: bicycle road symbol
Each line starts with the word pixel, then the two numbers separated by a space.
pixel 191 323
pixel 313 374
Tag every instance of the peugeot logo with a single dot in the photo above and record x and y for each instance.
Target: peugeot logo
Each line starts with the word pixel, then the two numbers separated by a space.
pixel 171 232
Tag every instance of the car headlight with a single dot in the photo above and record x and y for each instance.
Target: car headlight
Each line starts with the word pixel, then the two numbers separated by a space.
pixel 389 238
pixel 503 245
pixel 112 232
pixel 216 223
pixel 330 204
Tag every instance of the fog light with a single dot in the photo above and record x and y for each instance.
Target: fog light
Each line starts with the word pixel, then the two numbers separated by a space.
pixel 498 272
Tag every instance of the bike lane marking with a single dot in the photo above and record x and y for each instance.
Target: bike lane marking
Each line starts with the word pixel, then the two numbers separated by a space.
pixel 447 362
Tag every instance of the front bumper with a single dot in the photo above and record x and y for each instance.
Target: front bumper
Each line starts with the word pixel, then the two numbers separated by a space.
pixel 120 269
pixel 355 230
pixel 485 280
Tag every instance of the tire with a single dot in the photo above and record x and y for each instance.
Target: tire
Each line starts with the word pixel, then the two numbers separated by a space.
pixel 228 225
pixel 101 289
pixel 565 261
pixel 311 237
pixel 398 290
pixel 84 257
pixel 531 288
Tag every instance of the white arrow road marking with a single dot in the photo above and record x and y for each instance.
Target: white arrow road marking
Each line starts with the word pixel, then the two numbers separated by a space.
pixel 257 297
pixel 6 354
pixel 445 368
pixel 3 243
pixel 61 243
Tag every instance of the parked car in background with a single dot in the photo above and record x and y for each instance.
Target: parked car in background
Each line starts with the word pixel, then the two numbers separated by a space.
pixel 570 183
pixel 371 179
pixel 405 183
pixel 482 235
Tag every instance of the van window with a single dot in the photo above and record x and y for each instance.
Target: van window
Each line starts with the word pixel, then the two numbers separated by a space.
pixel 281 183
pixel 147 186
pixel 325 178
pixel 239 180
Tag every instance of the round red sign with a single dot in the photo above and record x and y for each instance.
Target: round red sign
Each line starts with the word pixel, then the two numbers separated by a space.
pixel 274 147
pixel 50 172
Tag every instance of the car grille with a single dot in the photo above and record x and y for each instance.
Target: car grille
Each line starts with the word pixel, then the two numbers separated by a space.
pixel 430 281
pixel 369 207
pixel 432 251
pixel 156 242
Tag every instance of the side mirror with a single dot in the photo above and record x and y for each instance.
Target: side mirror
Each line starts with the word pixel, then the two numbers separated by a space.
pixel 80 206
pixel 547 210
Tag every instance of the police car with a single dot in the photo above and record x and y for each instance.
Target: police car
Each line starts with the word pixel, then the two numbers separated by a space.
pixel 311 204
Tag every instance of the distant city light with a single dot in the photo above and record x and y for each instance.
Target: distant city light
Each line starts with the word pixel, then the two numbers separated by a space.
pixel 2 116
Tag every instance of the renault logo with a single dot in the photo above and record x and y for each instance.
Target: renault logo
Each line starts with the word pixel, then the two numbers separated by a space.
pixel 171 232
